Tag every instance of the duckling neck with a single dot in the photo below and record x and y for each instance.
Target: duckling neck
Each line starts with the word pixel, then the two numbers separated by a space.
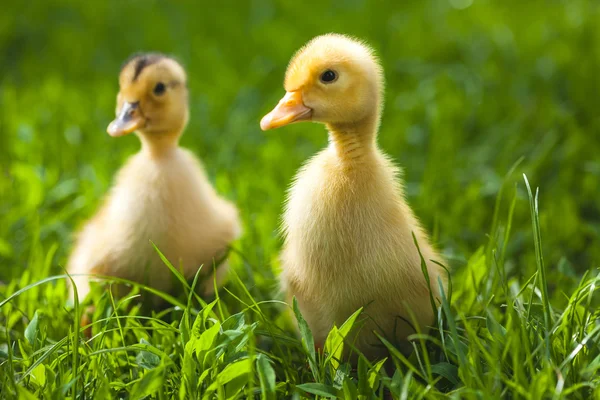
pixel 352 142
pixel 157 145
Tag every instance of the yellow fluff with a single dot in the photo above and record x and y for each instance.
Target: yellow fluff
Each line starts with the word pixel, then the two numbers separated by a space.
pixel 161 195
pixel 348 230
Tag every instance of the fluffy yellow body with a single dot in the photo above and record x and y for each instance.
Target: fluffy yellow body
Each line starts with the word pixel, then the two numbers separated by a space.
pixel 348 229
pixel 162 194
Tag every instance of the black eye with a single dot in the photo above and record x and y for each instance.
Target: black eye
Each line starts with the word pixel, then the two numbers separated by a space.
pixel 328 76
pixel 159 88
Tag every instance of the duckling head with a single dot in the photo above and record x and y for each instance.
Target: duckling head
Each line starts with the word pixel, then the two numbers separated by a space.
pixel 333 79
pixel 152 99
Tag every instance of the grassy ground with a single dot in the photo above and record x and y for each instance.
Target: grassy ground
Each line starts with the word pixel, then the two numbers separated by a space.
pixel 476 98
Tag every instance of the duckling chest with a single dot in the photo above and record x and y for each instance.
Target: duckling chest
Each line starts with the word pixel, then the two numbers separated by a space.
pixel 157 200
pixel 338 220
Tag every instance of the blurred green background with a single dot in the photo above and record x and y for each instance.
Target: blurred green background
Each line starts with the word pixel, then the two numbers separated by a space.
pixel 472 87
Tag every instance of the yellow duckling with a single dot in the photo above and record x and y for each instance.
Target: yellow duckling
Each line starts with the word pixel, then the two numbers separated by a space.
pixel 161 195
pixel 347 227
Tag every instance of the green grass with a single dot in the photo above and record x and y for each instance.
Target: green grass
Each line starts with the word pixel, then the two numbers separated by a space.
pixel 475 98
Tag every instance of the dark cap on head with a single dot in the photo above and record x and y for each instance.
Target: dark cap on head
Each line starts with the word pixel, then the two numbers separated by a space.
pixel 141 61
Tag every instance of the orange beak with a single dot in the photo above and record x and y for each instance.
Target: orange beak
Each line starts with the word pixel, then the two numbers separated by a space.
pixel 290 109
pixel 129 119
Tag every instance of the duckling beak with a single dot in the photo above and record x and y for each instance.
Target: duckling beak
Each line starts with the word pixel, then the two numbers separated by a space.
pixel 290 109
pixel 128 120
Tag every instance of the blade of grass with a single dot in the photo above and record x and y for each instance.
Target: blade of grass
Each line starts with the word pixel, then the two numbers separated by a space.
pixel 535 220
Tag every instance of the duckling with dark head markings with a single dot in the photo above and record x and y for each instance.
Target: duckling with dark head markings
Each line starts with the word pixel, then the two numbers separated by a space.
pixel 347 228
pixel 161 195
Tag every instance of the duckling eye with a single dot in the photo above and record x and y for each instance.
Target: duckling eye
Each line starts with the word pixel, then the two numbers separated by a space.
pixel 328 76
pixel 159 88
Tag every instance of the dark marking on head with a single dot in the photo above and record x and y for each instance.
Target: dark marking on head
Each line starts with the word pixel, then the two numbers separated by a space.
pixel 141 61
